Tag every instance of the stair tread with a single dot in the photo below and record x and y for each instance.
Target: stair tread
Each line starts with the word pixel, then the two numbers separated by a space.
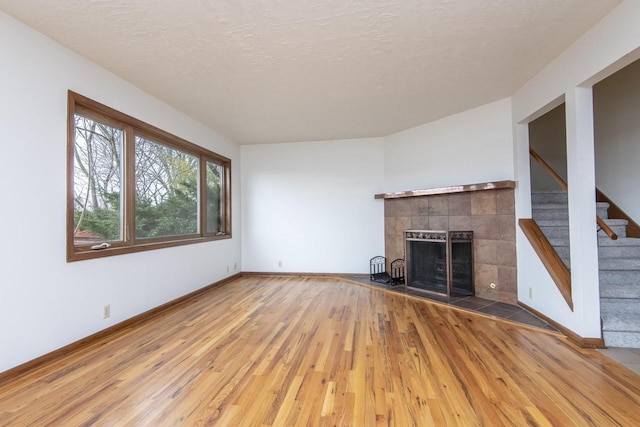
pixel 546 206
pixel 548 192
pixel 603 242
pixel 621 264
pixel 565 222
pixel 622 241
pixel 618 291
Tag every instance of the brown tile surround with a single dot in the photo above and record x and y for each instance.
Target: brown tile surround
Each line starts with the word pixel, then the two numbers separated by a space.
pixel 490 214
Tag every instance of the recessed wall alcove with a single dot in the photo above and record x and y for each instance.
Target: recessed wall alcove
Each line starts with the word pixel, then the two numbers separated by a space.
pixel 487 209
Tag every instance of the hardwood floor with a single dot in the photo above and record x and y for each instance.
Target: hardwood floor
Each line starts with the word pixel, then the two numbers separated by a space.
pixel 288 351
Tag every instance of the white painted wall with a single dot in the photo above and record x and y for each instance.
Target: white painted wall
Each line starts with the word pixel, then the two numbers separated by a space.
pixel 617 138
pixel 608 46
pixel 466 148
pixel 548 137
pixel 45 302
pixel 323 191
pixel 311 205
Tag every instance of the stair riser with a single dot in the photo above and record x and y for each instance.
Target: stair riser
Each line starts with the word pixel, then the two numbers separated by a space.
pixel 563 232
pixel 621 306
pixel 564 254
pixel 608 252
pixel 543 214
pixel 620 323
pixel 621 264
pixel 622 245
pixel 610 279
pixel 621 339
pixel 541 198
pixel 619 290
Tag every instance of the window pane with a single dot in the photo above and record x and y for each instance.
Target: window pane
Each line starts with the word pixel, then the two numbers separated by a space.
pixel 97 182
pixel 166 190
pixel 215 205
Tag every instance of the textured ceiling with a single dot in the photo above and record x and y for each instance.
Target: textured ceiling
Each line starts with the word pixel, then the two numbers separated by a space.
pixel 264 71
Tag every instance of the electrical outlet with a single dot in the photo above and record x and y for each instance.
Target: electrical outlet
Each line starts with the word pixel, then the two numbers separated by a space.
pixel 106 311
pixel 235 265
pixel 280 264
pixel 530 293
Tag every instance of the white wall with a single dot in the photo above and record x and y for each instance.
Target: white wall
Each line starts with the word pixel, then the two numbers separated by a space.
pixel 548 137
pixel 45 302
pixel 617 138
pixel 606 47
pixel 466 148
pixel 311 205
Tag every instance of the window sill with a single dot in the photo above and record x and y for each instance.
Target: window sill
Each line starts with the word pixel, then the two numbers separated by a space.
pixel 76 254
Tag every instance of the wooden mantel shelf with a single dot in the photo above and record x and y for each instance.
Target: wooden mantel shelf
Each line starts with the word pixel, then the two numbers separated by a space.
pixel 497 185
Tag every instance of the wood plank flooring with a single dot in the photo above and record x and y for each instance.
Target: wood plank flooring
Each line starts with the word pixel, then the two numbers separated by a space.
pixel 289 351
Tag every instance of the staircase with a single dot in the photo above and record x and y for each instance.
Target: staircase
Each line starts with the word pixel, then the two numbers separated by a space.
pixel 618 260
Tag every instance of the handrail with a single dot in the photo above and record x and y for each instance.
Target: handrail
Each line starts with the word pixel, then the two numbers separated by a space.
pixel 601 223
pixel 614 211
pixel 549 169
pixel 549 257
pixel 605 227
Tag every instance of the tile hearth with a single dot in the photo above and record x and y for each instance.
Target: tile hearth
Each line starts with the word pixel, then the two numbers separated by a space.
pixel 473 303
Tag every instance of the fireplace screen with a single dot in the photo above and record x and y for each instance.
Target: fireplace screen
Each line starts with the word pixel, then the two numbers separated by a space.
pixel 439 261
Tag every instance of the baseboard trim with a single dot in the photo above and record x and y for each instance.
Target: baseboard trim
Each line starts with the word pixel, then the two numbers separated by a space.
pixel 25 368
pixel 292 274
pixel 572 336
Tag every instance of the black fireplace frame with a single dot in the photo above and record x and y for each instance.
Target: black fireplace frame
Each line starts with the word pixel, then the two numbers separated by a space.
pixel 448 238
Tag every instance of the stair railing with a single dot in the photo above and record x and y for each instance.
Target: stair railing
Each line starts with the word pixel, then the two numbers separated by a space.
pixel 601 223
pixel 549 257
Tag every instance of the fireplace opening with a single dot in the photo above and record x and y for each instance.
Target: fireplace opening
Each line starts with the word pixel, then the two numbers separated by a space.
pixel 439 261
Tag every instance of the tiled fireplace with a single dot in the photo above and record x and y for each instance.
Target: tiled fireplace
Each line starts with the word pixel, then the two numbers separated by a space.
pixel 486 209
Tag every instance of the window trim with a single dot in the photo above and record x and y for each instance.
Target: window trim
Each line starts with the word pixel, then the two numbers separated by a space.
pixel 129 244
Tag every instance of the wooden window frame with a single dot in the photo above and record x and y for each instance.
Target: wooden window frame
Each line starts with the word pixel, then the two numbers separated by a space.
pixel 133 127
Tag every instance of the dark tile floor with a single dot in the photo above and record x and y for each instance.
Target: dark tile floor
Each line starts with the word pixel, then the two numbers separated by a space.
pixel 480 305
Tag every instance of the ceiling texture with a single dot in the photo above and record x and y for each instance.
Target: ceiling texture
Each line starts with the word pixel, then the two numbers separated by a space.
pixel 263 71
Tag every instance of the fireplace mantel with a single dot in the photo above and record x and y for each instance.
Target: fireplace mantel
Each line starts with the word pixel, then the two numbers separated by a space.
pixel 497 185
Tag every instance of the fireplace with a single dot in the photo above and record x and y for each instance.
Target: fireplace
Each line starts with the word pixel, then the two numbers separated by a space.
pixel 439 261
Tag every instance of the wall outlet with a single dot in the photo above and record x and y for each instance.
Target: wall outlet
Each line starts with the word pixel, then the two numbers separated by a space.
pixel 106 311
pixel 235 265
pixel 530 293
pixel 280 264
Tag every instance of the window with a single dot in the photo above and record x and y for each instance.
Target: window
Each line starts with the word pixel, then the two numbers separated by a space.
pixel 166 190
pixel 133 187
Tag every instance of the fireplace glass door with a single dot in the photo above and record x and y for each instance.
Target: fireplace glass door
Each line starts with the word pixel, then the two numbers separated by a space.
pixel 428 266
pixel 439 261
pixel 461 267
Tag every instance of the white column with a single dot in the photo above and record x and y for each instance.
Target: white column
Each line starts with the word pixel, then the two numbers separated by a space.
pixel 522 171
pixel 582 211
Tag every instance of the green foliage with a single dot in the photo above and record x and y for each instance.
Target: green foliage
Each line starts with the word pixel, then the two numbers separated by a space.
pixel 102 222
pixel 214 219
pixel 176 215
